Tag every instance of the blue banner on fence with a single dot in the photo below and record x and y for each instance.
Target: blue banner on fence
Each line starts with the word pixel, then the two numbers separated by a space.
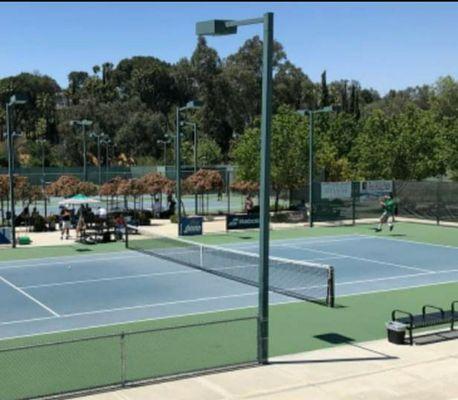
pixel 191 226
pixel 5 235
pixel 242 221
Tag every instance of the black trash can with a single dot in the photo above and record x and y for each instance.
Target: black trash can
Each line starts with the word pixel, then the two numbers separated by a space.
pixel 396 332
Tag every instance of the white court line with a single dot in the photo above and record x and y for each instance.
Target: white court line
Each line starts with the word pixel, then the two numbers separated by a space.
pixel 50 264
pixel 29 296
pixel 86 256
pixel 305 240
pixel 128 321
pixel 357 258
pixel 398 288
pixel 412 241
pixel 441 272
pixel 190 270
pixel 279 303
pixel 141 306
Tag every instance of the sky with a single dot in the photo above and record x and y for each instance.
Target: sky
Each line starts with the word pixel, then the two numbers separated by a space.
pixel 382 45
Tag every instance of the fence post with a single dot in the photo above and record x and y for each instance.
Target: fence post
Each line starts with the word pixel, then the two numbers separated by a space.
pixel 353 202
pixel 437 203
pixel 123 359
pixel 228 191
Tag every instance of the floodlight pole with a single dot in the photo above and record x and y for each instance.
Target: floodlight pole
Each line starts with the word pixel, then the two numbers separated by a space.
pixel 194 128
pixel 43 175
pixel 99 137
pixel 14 100
pixel 99 159
pixel 194 104
pixel 224 27
pixel 84 154
pixel 106 141
pixel 311 169
pixel 83 123
pixel 310 114
pixel 266 122
pixel 9 135
pixel 195 162
pixel 164 142
pixel 178 168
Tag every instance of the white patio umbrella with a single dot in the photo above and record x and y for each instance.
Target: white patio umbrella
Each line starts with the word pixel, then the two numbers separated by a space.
pixel 79 199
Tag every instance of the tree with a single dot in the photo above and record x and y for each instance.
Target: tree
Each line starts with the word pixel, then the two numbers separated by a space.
pixel 139 134
pixel 289 145
pixel 40 91
pixel 293 88
pixel 404 146
pixel 204 181
pixel 324 102
pixel 246 187
pixel 212 88
pixel 243 71
pixel 76 80
pixel 208 152
pixel 155 183
pixel 65 186
pixel 131 187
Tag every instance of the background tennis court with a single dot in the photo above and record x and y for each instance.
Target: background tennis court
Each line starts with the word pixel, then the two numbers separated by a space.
pixel 209 320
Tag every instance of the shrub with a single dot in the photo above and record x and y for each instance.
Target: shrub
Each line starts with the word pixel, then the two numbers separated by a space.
pixel 39 223
pixel 280 217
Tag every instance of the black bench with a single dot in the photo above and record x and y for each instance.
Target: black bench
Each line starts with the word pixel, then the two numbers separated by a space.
pixel 437 316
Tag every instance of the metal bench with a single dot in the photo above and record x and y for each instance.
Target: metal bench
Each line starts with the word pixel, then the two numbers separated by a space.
pixel 437 316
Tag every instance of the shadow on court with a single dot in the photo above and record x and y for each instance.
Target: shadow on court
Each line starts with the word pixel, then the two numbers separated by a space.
pixel 338 339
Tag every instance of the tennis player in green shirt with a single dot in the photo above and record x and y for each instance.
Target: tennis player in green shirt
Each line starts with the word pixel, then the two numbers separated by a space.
pixel 388 206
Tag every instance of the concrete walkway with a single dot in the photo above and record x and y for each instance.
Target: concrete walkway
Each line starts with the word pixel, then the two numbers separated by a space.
pixel 370 371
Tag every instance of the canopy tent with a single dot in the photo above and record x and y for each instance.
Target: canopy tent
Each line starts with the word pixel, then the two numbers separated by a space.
pixel 79 199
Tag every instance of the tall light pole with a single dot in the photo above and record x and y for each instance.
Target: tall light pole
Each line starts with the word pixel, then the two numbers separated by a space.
pixel 310 114
pixel 191 105
pixel 106 141
pixel 14 101
pixel 42 143
pixel 225 27
pixel 165 143
pixel 98 137
pixel 194 128
pixel 83 124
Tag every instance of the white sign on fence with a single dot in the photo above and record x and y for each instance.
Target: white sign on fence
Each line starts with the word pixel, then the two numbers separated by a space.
pixel 375 188
pixel 336 190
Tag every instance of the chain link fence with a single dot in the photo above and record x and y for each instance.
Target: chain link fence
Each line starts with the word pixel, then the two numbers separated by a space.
pixel 50 369
pixel 351 201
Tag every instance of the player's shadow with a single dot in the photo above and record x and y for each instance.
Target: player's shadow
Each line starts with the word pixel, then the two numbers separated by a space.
pixel 397 234
pixel 337 339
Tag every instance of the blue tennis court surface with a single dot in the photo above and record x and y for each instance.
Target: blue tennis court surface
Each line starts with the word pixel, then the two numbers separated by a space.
pixel 65 293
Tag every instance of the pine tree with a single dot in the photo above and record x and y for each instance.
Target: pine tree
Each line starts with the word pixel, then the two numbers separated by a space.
pixel 324 90
pixel 344 97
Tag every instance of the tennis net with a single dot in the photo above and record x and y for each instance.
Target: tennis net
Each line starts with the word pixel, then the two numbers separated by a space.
pixel 303 280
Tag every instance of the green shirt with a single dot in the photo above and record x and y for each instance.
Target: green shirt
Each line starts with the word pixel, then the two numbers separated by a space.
pixel 389 205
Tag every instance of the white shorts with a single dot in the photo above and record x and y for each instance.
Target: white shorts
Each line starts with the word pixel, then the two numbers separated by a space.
pixel 66 225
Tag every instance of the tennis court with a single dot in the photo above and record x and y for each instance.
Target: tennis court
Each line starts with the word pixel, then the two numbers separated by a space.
pixel 75 292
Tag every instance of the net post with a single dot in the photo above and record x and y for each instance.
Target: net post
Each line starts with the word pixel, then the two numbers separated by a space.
pixel 126 230
pixel 330 298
